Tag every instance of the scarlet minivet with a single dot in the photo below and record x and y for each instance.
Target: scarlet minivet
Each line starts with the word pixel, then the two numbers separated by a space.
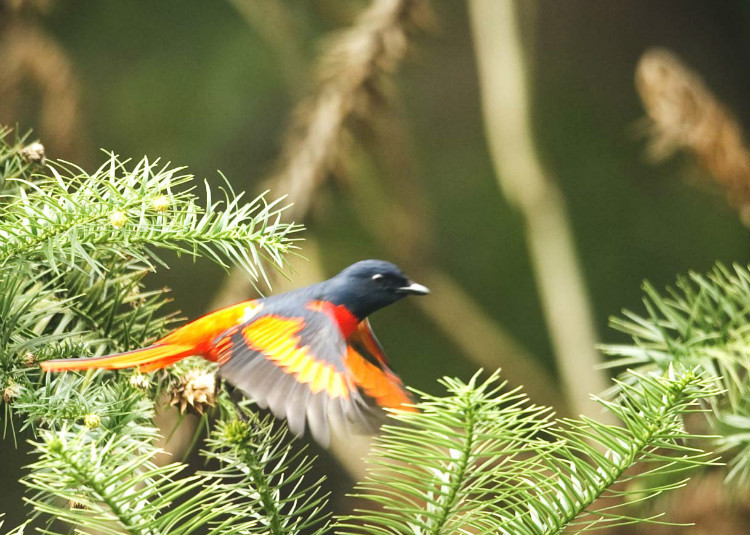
pixel 309 354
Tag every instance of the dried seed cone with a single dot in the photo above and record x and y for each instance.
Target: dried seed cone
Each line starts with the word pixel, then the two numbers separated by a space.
pixel 34 152
pixel 77 503
pixel 29 359
pixel 11 392
pixel 196 390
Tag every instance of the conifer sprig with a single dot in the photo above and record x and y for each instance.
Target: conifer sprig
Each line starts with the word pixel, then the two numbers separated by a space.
pixel 71 398
pixel 104 482
pixel 437 472
pixel 131 212
pixel 28 302
pixel 114 311
pixel 75 247
pixel 266 477
pixel 102 479
pixel 701 322
pixel 483 461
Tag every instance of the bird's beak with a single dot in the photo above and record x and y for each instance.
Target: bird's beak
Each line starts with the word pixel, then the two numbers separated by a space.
pixel 413 288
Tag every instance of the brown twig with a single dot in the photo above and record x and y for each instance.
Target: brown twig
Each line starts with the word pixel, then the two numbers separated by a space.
pixel 531 188
pixel 684 114
pixel 352 86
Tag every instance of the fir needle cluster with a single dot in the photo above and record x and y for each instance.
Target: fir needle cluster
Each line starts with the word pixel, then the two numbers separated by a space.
pixel 702 321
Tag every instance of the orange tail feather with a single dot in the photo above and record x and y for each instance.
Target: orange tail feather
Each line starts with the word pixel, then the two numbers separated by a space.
pixel 162 363
pixel 147 359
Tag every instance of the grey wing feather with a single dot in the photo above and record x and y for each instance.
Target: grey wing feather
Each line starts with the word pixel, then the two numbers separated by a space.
pixel 363 415
pixel 317 419
pixel 296 408
pixel 278 392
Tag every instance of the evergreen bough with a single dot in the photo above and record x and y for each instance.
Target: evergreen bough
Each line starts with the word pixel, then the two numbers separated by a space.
pixel 704 322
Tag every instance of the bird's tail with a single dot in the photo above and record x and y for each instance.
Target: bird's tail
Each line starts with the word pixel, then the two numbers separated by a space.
pixel 147 359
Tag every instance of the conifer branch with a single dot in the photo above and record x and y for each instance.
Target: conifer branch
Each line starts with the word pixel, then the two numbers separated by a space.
pixel 267 476
pixel 76 245
pixel 477 461
pixel 700 322
pixel 118 211
pixel 107 482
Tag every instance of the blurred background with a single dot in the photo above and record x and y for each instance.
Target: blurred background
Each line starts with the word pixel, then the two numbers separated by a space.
pixel 499 152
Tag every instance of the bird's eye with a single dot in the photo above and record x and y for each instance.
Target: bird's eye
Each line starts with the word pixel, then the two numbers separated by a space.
pixel 378 278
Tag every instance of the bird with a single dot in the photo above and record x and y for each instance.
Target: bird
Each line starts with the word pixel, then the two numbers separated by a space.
pixel 309 354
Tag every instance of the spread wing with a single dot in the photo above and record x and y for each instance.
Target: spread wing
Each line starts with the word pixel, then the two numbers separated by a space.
pixel 368 367
pixel 302 369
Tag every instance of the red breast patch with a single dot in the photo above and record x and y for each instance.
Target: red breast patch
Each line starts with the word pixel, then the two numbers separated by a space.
pixel 346 321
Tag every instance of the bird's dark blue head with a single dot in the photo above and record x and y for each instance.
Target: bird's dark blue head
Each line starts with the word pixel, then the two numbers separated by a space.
pixel 369 285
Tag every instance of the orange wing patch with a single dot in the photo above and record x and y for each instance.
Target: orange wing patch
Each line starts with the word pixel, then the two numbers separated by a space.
pixel 201 333
pixel 222 350
pixel 363 334
pixel 380 384
pixel 278 339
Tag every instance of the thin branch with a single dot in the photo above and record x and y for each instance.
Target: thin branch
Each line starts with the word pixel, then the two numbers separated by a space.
pixel 528 186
